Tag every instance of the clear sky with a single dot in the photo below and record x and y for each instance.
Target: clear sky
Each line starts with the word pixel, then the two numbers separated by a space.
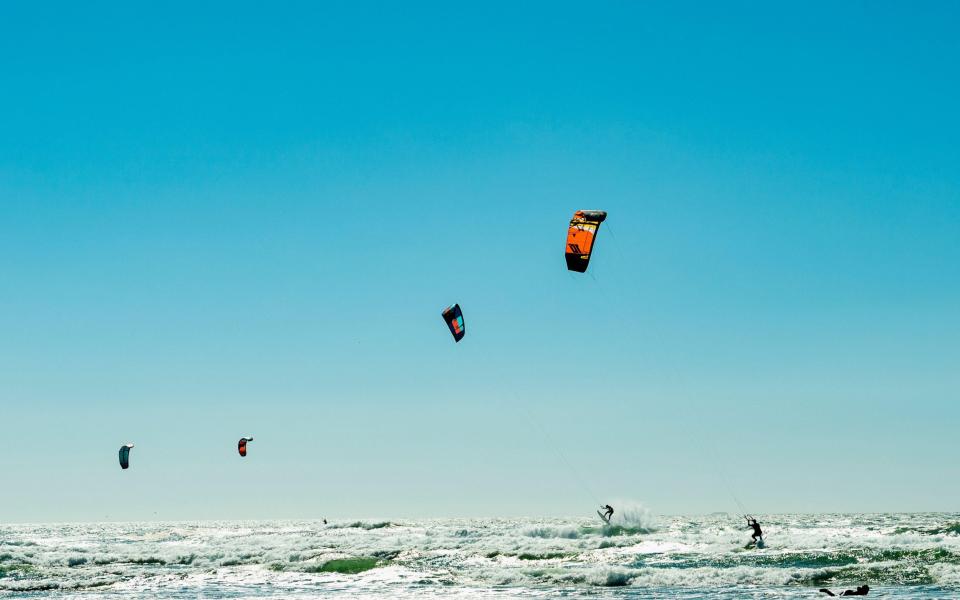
pixel 221 219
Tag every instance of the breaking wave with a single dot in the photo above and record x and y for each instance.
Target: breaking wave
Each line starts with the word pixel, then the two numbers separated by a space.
pixel 916 553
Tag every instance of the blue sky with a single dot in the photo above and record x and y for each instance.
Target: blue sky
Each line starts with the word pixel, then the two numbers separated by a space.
pixel 237 219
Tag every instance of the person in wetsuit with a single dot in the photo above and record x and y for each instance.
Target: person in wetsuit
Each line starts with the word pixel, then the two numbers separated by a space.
pixel 862 590
pixel 757 533
pixel 607 512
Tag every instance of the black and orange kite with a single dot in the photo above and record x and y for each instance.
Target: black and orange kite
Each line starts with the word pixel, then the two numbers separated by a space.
pixel 580 237
pixel 242 445
pixel 453 316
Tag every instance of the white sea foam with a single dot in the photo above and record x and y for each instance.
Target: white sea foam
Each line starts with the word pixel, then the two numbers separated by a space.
pixel 637 555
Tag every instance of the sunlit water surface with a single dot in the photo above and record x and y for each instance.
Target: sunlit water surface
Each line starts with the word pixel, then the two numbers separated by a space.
pixel 898 555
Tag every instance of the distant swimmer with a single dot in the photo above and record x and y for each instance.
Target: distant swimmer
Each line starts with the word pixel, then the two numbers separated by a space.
pixel 757 533
pixel 862 590
pixel 607 512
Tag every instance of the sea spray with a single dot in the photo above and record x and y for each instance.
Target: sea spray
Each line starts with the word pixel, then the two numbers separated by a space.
pixel 632 515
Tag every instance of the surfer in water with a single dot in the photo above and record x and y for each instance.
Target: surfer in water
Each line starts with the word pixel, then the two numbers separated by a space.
pixel 607 512
pixel 757 533
pixel 862 590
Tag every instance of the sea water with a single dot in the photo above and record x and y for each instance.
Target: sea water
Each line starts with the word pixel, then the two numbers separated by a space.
pixel 898 555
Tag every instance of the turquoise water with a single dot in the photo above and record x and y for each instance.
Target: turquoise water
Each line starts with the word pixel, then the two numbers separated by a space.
pixel 640 556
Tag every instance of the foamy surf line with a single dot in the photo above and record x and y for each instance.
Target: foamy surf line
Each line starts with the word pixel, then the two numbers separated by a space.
pixel 903 555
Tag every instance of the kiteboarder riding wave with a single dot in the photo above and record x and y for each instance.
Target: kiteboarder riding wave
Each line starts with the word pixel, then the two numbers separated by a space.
pixel 757 533
pixel 607 512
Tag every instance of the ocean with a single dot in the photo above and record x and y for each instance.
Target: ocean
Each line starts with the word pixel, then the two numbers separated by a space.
pixel 637 556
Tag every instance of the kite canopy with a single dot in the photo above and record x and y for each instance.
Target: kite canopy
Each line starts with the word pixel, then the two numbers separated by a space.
pixel 125 456
pixel 242 445
pixel 454 319
pixel 583 229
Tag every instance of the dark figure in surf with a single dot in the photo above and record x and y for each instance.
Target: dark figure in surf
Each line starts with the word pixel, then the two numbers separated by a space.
pixel 757 533
pixel 607 512
pixel 862 590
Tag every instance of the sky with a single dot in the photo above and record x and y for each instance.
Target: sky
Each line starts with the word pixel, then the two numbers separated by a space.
pixel 239 218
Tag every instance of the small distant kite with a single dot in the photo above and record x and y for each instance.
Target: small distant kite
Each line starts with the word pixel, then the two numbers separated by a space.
pixel 454 319
pixel 125 456
pixel 242 445
pixel 580 236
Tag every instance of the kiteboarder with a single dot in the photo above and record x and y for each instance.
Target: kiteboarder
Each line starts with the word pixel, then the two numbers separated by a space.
pixel 862 590
pixel 607 512
pixel 757 533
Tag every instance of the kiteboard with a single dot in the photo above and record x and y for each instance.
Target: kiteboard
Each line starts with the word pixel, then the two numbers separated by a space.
pixel 603 518
pixel 755 544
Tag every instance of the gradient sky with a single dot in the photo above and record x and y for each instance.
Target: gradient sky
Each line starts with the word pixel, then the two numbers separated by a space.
pixel 220 219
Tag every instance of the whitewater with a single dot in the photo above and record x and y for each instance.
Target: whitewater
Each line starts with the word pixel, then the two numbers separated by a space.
pixel 641 556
